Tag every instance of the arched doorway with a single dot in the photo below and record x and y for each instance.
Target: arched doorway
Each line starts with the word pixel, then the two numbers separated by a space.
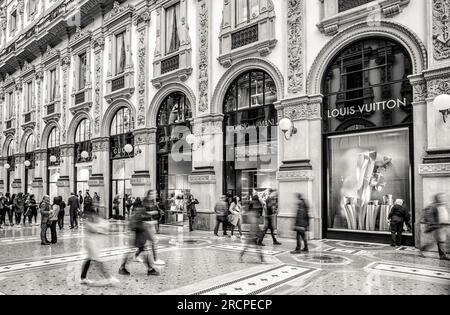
pixel 173 154
pixel 367 136
pixel 29 163
pixel 10 164
pixel 53 161
pixel 83 156
pixel 121 161
pixel 251 137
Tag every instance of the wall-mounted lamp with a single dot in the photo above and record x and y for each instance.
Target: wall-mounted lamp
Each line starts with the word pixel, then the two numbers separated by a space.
pixel 128 148
pixel 27 163
pixel 84 155
pixel 195 142
pixel 442 104
pixel 288 128
pixel 53 159
pixel 7 166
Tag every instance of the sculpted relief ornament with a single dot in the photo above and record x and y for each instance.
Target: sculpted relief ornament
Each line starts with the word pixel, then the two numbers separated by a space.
pixel 203 53
pixel 441 29
pixel 295 55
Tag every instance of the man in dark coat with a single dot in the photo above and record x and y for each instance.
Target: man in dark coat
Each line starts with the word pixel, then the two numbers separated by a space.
pixel 221 210
pixel 398 217
pixel 44 208
pixel 191 211
pixel 74 207
pixel 301 224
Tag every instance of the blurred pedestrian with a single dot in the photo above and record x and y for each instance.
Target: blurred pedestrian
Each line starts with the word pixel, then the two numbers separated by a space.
pixel 270 215
pixel 301 224
pixel 221 210
pixel 96 202
pixel 44 208
pixel 191 211
pixel 436 218
pixel 95 229
pixel 74 209
pixel 142 235
pixel 252 239
pixel 398 216
pixel 235 216
pixel 9 203
pixel 2 211
pixel 53 219
pixel 87 202
pixel 151 223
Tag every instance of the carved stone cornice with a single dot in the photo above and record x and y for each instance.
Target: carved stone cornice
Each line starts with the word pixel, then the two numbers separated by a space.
pixel 301 108
pixel 100 144
pixel 27 70
pixel 419 85
pixel 435 170
pixel 438 81
pixel 79 37
pixel 295 176
pixel 145 136
pixel 50 55
pixel 118 11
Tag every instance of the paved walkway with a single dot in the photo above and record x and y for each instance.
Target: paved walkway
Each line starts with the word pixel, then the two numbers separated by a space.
pixel 199 264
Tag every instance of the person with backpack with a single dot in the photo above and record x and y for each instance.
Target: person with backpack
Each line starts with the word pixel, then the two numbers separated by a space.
pixel 191 211
pixel 398 216
pixel 32 209
pixel 301 224
pixel 270 216
pixel 436 219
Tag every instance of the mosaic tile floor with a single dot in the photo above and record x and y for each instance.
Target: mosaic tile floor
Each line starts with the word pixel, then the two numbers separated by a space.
pixel 198 264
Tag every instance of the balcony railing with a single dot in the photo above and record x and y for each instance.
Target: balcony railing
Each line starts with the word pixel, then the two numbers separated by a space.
pixel 51 109
pixel 244 37
pixel 118 84
pixel 345 5
pixel 170 64
pixel 80 98
pixel 9 124
pixel 27 117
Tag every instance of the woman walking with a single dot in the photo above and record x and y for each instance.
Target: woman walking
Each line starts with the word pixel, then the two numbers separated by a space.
pixel 10 203
pixel 301 224
pixel 33 211
pixel 235 216
pixel 191 211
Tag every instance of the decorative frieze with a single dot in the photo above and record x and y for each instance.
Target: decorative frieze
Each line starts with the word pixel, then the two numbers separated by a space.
pixel 142 77
pixel 100 145
pixel 437 87
pixel 98 91
pixel 203 77
pixel 434 170
pixel 295 44
pixel 145 137
pixel 295 176
pixel 202 128
pixel 65 62
pixel 301 111
pixel 202 179
pixel 441 29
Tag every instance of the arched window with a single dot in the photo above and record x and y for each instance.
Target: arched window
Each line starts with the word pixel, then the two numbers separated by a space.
pixel 53 138
pixel 10 148
pixel 251 135
pixel 83 132
pixel 368 80
pixel 173 121
pixel 122 122
pixel 30 144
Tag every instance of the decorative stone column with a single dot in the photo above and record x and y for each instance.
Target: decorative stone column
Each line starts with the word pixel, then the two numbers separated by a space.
pixel 38 183
pixel 98 46
pixel 207 164
pixel 99 181
pixel 19 175
pixel 144 161
pixel 300 166
pixel 65 182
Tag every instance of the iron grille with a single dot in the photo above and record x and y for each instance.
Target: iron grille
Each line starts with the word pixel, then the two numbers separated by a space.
pixel 118 84
pixel 27 117
pixel 79 98
pixel 170 64
pixel 244 37
pixel 345 5
pixel 9 124
pixel 50 109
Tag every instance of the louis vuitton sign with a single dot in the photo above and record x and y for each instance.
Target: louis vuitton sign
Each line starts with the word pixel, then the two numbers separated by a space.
pixel 367 108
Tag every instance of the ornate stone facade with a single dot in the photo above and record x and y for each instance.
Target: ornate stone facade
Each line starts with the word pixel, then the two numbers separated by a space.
pixel 441 29
pixel 295 46
pixel 203 65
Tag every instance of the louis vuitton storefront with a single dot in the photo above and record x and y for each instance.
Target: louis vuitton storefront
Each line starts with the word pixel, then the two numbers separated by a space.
pixel 367 140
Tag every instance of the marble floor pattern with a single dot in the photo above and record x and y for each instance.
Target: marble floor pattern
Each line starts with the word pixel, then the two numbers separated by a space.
pixel 200 264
